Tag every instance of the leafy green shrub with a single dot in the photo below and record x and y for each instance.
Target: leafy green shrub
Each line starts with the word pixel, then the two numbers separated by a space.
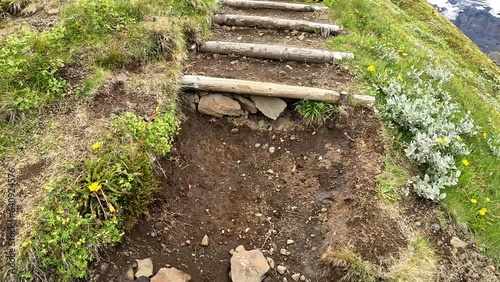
pixel 313 111
pixel 156 136
pixel 63 240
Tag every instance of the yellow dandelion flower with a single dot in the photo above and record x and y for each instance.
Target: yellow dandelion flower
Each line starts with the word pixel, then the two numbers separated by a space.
pixel 484 135
pixel 390 44
pixel 465 162
pixel 474 201
pixel 404 54
pixel 371 68
pixel 483 211
pixel 440 140
pixel 400 78
pixel 459 139
pixel 112 209
pixel 488 199
pixel 94 187
pixel 96 145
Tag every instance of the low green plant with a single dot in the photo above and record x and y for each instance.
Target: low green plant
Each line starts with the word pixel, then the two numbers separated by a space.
pixel 156 135
pixel 315 112
pixel 355 269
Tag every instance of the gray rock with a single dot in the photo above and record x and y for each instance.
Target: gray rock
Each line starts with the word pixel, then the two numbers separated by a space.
pixel 248 266
pixel 171 275
pixel 271 263
pixel 457 243
pixel 271 107
pixel 281 269
pixel 104 267
pixel 218 105
pixel 144 268
pixel 435 227
pixel 246 104
pixel 128 276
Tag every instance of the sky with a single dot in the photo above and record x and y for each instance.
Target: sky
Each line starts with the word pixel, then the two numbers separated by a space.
pixel 453 10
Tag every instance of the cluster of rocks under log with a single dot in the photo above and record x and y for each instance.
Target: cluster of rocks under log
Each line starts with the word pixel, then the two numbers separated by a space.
pixel 224 104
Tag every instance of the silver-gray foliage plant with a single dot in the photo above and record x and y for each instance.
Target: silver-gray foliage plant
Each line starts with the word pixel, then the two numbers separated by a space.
pixel 436 126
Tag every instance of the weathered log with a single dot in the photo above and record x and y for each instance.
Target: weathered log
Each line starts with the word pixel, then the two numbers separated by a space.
pixel 216 84
pixel 275 23
pixel 273 5
pixel 273 52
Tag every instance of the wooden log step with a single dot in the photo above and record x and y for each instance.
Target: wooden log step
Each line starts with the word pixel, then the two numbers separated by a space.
pixel 273 52
pixel 242 4
pixel 247 87
pixel 275 23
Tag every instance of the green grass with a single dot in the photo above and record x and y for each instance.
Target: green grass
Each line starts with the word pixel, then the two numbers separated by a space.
pixel 396 36
pixel 96 198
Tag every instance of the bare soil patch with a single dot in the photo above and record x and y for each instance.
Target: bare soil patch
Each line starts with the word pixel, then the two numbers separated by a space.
pixel 221 184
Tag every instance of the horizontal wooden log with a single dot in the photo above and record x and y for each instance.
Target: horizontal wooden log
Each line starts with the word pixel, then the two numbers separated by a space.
pixel 273 52
pixel 275 23
pixel 247 87
pixel 273 5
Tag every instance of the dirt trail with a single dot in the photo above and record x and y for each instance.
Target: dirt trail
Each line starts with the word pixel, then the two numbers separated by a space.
pixel 315 187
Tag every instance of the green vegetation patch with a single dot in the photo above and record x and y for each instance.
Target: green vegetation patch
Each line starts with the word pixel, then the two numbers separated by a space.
pixel 442 95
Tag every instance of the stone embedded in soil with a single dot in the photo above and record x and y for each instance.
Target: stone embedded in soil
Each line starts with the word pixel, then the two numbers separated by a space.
pixel 457 243
pixel 302 278
pixel 144 268
pixel 128 276
pixel 271 107
pixel 284 252
pixel 218 105
pixel 271 263
pixel 204 241
pixel 435 227
pixel 296 276
pixel 171 275
pixel 281 269
pixel 290 242
pixel 248 266
pixel 246 104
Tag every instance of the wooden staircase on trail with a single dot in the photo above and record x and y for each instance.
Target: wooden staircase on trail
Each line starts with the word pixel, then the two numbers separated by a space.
pixel 248 22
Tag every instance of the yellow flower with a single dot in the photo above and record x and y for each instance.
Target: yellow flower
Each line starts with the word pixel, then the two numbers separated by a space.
pixel 484 135
pixel 389 44
pixel 474 201
pixel 446 140
pixel 94 187
pixel 111 209
pixel 440 140
pixel 459 139
pixel 371 68
pixel 488 199
pixel 96 145
pixel 400 78
pixel 483 211
pixel 465 162
pixel 404 54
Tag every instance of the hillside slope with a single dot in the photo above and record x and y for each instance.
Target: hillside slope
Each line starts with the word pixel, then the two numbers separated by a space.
pixel 405 48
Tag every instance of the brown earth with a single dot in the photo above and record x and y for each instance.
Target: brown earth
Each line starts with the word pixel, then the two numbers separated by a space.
pixel 312 190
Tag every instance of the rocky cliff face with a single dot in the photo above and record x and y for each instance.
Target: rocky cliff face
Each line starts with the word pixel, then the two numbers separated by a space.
pixel 478 19
pixel 481 27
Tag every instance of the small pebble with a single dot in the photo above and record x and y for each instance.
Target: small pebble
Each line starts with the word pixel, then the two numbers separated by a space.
pixel 235 130
pixel 281 269
pixel 290 242
pixel 257 145
pixel 272 150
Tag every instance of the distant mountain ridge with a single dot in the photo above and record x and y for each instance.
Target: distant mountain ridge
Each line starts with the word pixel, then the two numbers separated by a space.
pixel 478 19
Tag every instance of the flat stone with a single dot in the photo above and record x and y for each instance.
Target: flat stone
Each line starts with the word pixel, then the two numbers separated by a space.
pixel 144 268
pixel 218 105
pixel 281 269
pixel 248 266
pixel 128 276
pixel 171 275
pixel 246 104
pixel 271 263
pixel 53 11
pixel 271 107
pixel 457 243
